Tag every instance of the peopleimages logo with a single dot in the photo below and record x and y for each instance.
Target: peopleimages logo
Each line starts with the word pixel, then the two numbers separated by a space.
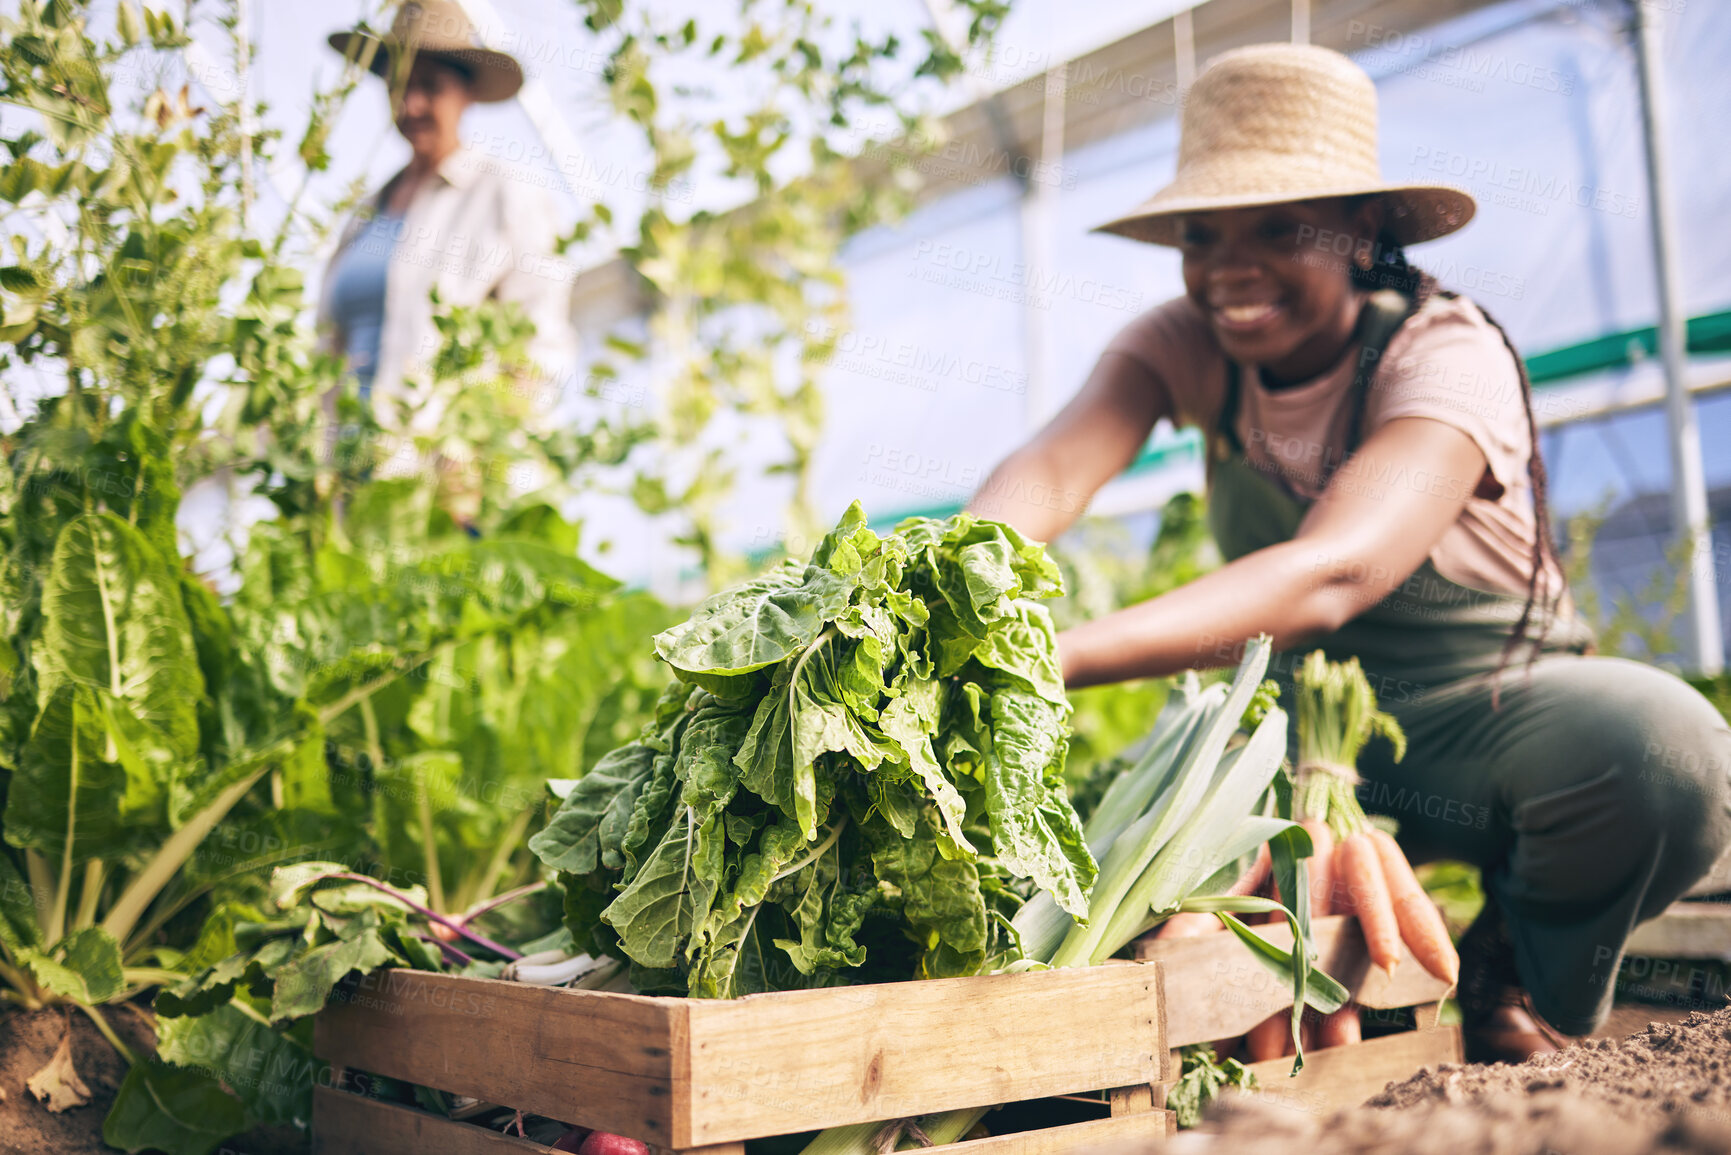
pixel 1483 172
pixel 1468 63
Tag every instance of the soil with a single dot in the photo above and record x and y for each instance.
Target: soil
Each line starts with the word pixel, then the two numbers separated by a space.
pixel 28 1040
pixel 1664 1089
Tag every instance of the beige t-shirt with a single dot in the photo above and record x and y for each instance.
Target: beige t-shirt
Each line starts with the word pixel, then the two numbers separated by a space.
pixel 1446 363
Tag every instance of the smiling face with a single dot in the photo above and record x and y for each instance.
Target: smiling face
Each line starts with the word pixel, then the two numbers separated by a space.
pixel 1274 281
pixel 432 106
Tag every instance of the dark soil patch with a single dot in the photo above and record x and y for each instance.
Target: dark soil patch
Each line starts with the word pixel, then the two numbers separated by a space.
pixel 28 1040
pixel 1665 1089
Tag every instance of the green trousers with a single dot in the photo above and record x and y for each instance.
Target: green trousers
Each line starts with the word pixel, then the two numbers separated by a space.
pixel 1593 797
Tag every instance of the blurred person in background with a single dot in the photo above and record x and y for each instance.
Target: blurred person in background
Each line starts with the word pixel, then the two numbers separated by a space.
pixel 1376 487
pixel 451 222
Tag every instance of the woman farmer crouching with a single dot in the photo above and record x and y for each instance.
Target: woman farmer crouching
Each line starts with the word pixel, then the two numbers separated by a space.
pixel 1375 484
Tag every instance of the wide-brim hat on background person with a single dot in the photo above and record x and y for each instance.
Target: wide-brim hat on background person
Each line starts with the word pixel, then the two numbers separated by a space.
pixel 440 29
pixel 1277 123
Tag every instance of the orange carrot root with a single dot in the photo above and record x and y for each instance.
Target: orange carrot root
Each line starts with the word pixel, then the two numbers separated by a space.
pixel 1339 1028
pixel 1357 861
pixel 1321 865
pixel 1269 1038
pixel 1421 924
pixel 1251 880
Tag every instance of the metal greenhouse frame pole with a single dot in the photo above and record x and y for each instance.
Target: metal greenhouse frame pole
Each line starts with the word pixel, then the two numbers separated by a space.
pixel 1689 517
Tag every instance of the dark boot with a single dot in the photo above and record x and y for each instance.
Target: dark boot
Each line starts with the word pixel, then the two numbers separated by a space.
pixel 1498 1021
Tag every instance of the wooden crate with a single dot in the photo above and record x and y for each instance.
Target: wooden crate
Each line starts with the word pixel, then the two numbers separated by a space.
pixel 695 1074
pixel 1216 990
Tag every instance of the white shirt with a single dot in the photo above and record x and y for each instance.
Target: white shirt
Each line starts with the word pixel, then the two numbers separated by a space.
pixel 479 229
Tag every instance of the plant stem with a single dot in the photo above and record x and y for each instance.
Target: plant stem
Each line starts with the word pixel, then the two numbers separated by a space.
pixel 126 1052
pixel 509 896
pixel 451 953
pixel 502 855
pixel 90 895
pixel 430 915
pixel 363 692
pixel 815 853
pixel 173 853
pixel 429 841
pixel 41 885
pixel 24 989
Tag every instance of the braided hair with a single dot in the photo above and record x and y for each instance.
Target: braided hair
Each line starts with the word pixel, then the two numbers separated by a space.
pixel 1389 269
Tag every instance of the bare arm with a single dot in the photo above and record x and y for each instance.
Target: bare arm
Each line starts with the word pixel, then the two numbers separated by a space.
pixel 1367 534
pixel 1044 486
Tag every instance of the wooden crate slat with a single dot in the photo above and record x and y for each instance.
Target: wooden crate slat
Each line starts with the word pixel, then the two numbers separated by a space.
pixel 1215 988
pixel 804 1060
pixel 1348 1075
pixel 605 1061
pixel 347 1124
pixel 1095 1135
pixel 1685 930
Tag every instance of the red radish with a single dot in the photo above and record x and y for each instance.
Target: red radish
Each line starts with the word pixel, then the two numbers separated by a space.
pixel 572 1140
pixel 1321 864
pixel 1421 924
pixel 442 932
pixel 607 1143
pixel 1356 859
pixel 1340 1027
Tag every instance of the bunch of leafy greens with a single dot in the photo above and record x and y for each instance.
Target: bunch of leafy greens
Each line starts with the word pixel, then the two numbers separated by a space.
pixel 862 758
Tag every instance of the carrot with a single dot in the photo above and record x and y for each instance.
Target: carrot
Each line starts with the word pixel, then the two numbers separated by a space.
pixel 1251 880
pixel 1421 924
pixel 1321 867
pixel 1356 859
pixel 1269 1038
pixel 1340 1027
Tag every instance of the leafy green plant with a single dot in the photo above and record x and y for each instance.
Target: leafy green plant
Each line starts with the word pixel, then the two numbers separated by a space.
pixel 874 737
pixel 382 687
pixel 1201 1078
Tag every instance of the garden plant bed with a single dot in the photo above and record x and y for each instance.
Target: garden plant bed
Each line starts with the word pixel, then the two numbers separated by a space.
pixel 1215 991
pixel 1664 1089
pixel 697 1074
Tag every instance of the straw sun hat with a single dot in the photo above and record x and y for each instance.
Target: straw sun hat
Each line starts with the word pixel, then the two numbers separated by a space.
pixel 440 29
pixel 1275 123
